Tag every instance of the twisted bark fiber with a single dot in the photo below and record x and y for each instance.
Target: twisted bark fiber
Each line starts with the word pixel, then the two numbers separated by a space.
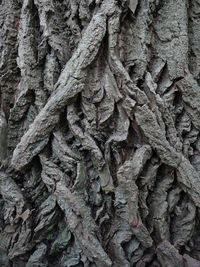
pixel 99 133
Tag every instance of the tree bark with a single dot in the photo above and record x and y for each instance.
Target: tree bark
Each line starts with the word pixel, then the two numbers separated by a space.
pixel 99 133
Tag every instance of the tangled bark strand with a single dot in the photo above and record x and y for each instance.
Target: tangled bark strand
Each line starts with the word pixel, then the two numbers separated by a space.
pixel 99 133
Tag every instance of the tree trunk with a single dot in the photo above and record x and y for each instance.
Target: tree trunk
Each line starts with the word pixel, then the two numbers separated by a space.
pixel 99 133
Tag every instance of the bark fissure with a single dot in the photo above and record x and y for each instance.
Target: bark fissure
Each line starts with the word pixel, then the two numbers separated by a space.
pixel 99 133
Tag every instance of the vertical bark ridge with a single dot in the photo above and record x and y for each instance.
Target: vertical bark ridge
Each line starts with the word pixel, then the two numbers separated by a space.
pixel 99 133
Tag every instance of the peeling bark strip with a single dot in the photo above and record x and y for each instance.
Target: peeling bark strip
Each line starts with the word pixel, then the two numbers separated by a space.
pixel 99 133
pixel 70 83
pixel 77 215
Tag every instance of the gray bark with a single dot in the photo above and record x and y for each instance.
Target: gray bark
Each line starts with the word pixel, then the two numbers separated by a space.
pixel 99 133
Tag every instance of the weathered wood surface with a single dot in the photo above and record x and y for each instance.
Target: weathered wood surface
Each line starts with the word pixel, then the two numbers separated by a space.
pixel 99 133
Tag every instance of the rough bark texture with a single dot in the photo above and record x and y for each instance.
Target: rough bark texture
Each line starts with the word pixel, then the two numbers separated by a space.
pixel 99 133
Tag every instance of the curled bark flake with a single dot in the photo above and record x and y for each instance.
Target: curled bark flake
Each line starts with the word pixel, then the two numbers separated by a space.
pixel 38 257
pixel 191 95
pixel 168 255
pixel 126 201
pixel 182 225
pixel 152 130
pixel 81 225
